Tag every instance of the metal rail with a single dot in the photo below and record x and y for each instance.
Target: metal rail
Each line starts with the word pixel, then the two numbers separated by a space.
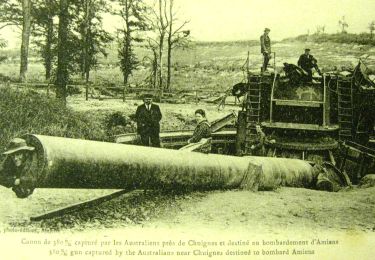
pixel 78 206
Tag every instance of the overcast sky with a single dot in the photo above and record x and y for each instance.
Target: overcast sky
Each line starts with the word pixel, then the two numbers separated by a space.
pixel 220 20
pixel 246 19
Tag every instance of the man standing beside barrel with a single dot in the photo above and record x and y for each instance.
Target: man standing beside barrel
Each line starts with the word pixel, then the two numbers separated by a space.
pixel 148 116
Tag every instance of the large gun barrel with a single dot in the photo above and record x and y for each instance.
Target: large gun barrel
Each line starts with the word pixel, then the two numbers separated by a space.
pixel 60 162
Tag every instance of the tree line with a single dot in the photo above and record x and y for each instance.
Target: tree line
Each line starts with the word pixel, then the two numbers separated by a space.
pixel 69 35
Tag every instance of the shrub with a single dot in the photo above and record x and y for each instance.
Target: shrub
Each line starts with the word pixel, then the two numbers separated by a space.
pixel 24 111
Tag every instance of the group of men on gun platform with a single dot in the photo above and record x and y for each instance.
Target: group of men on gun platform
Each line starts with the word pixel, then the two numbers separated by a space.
pixel 306 61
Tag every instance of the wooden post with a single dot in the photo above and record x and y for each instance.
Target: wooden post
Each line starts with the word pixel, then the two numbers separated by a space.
pixel 324 100
pixel 123 93
pixel 247 65
pixel 87 91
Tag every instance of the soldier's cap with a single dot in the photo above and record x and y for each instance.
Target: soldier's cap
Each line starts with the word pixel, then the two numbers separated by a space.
pixel 307 49
pixel 147 95
pixel 17 144
pixel 267 29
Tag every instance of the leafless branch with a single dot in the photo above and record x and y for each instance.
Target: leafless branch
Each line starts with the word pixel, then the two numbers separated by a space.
pixel 179 28
pixel 8 24
pixel 165 13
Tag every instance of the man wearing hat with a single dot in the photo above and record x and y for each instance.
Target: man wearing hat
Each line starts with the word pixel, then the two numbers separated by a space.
pixel 307 62
pixel 148 116
pixel 15 164
pixel 265 48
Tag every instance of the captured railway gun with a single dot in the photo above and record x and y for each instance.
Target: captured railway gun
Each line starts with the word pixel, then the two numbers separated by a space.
pixel 322 132
pixel 329 120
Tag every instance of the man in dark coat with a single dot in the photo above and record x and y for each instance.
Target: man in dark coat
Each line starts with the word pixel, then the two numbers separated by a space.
pixel 265 48
pixel 148 116
pixel 307 62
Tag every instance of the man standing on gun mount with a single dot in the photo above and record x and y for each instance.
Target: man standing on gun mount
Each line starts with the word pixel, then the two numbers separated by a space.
pixel 265 48
pixel 148 116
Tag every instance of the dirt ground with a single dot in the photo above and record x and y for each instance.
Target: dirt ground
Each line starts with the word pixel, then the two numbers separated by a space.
pixel 269 212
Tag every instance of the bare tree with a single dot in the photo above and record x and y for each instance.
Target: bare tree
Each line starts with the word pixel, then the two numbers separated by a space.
pixel 320 29
pixel 162 29
pixel 62 57
pixel 26 30
pixel 18 13
pixel 154 47
pixel 86 44
pixel 160 24
pixel 317 30
pixel 343 24
pixel 176 38
pixel 371 27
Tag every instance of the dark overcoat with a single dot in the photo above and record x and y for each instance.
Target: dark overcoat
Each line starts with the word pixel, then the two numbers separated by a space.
pixel 148 120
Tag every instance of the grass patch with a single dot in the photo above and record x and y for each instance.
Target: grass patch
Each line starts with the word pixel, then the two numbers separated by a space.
pixel 24 111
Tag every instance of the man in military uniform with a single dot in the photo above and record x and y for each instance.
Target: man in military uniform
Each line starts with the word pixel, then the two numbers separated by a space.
pixel 307 62
pixel 265 48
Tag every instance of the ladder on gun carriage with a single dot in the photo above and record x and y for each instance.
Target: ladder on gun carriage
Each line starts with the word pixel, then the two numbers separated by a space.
pixel 345 109
pixel 252 110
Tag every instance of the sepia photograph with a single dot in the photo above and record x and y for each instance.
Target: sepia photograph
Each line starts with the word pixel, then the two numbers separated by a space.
pixel 187 129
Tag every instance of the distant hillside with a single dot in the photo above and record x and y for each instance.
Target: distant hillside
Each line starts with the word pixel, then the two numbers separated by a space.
pixel 349 38
pixel 14 54
pixel 227 43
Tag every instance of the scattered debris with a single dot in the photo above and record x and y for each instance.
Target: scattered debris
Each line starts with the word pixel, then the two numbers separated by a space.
pixel 367 181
